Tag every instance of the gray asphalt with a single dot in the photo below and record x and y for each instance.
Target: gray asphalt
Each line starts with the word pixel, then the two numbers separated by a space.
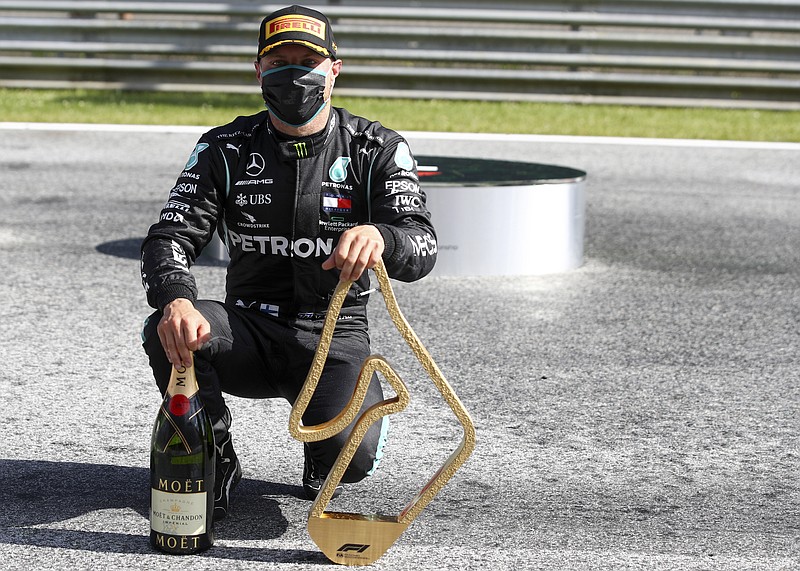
pixel 640 412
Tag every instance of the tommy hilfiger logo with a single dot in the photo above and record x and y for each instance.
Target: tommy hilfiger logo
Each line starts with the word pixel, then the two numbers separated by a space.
pixel 336 203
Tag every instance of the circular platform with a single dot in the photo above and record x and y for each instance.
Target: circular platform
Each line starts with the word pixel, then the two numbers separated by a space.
pixel 496 217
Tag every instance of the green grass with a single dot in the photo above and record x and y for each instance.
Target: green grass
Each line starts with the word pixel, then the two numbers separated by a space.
pixel 153 108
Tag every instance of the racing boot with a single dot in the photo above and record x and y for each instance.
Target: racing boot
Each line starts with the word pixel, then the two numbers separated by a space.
pixel 313 478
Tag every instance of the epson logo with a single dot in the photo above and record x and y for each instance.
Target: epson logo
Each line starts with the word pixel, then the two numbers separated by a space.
pixel 185 188
pixel 395 186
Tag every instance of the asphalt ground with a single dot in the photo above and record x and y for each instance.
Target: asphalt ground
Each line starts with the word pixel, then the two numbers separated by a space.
pixel 639 412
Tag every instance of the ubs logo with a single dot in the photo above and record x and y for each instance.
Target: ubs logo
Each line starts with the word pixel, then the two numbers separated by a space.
pixel 255 165
pixel 253 199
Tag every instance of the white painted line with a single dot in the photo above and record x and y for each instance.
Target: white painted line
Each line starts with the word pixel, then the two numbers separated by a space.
pixel 479 137
pixel 103 128
pixel 635 141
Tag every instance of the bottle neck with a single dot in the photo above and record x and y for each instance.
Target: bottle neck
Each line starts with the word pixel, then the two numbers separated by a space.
pixel 183 381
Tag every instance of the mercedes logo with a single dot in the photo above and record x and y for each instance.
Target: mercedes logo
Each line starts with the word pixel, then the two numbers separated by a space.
pixel 256 165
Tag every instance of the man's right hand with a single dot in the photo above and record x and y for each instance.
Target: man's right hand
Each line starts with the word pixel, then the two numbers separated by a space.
pixel 182 330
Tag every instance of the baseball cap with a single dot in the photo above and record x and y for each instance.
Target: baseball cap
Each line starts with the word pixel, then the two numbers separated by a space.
pixel 297 25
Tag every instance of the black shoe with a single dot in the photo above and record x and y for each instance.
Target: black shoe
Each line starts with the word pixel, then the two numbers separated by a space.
pixel 313 478
pixel 228 474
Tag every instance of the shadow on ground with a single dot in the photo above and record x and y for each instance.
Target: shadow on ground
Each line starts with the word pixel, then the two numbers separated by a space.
pixel 129 248
pixel 38 494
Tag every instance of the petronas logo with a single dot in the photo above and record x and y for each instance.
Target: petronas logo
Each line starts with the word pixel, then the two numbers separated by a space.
pixel 402 157
pixel 338 170
pixel 193 158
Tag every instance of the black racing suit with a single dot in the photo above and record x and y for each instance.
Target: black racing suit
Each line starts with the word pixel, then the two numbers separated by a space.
pixel 280 206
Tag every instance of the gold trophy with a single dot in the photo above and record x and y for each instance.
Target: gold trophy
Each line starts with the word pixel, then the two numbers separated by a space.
pixel 360 539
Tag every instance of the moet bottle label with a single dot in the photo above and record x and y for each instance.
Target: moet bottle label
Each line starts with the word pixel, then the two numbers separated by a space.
pixel 178 514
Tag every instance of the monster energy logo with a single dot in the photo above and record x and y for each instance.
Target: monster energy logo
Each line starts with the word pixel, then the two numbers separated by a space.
pixel 301 150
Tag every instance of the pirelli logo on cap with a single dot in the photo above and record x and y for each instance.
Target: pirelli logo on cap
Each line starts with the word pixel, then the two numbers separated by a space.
pixel 296 22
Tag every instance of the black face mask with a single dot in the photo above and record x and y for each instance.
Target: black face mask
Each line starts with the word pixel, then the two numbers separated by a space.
pixel 293 93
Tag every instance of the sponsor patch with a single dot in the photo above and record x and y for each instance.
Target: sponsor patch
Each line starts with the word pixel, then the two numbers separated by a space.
pixel 185 188
pixel 402 157
pixel 336 203
pixel 178 254
pixel 300 149
pixel 280 245
pixel 255 164
pixel 199 148
pixel 424 245
pixel 398 186
pixel 296 22
pixel 267 308
pixel 338 170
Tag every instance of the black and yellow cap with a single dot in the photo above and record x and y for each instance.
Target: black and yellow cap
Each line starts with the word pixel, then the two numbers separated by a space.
pixel 297 25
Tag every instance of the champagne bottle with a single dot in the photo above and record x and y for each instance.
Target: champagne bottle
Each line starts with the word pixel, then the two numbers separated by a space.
pixel 182 469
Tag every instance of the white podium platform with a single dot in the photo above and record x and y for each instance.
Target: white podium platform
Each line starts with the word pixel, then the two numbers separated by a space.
pixel 504 218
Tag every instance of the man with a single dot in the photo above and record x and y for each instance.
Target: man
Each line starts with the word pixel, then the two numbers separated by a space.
pixel 303 195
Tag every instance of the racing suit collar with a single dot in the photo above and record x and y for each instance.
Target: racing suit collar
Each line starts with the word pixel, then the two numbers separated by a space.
pixel 296 148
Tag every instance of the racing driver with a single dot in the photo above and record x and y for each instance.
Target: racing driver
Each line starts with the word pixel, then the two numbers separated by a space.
pixel 303 195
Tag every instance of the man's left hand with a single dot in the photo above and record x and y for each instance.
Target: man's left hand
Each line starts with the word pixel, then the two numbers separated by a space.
pixel 359 249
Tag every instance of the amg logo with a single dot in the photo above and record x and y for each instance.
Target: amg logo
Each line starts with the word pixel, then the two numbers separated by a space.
pixel 354 547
